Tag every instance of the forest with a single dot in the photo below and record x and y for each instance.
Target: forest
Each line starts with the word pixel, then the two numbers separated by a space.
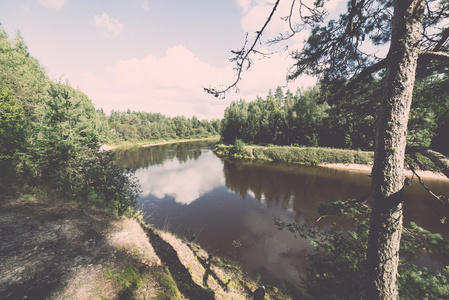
pixel 144 126
pixel 315 117
pixel 50 134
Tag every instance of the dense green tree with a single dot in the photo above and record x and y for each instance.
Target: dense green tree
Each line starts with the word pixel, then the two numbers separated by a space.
pixel 138 126
pixel 22 74
pixel 12 136
pixel 50 135
pixel 275 120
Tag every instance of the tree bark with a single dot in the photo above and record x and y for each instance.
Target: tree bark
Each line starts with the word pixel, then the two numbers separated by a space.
pixel 388 170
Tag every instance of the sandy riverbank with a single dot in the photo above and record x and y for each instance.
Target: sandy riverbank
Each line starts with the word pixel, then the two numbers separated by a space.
pixel 105 147
pixel 367 169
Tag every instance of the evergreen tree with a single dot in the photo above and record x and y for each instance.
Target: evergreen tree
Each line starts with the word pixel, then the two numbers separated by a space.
pixel 12 136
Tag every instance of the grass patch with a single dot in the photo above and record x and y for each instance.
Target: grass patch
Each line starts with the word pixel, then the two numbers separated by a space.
pixel 300 155
pixel 167 283
pixel 128 279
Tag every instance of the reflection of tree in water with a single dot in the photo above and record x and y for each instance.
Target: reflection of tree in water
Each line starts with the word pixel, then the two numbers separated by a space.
pixel 156 155
pixel 297 188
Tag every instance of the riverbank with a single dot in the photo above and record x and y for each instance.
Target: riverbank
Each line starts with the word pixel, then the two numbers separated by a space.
pixel 344 159
pixel 52 249
pixel 127 144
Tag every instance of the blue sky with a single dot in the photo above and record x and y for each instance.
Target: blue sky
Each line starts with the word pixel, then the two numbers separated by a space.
pixel 153 56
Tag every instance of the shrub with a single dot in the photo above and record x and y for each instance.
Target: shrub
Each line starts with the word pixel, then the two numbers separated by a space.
pixel 239 145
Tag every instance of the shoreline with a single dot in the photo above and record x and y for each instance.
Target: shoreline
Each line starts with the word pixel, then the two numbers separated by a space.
pixel 367 169
pixel 339 159
pixel 178 141
pixel 106 147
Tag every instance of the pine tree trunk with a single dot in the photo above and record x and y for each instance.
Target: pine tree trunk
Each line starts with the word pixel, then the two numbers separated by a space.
pixel 388 170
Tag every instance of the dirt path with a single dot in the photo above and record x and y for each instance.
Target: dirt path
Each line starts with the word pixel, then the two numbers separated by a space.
pixel 57 251
pixel 54 250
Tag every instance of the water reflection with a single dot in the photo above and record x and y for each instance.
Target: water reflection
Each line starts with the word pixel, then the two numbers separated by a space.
pixel 299 189
pixel 143 157
pixel 184 180
pixel 184 171
pixel 188 190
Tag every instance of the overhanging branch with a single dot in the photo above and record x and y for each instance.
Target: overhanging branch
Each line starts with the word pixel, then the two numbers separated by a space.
pixel 242 59
pixel 434 55
pixel 437 158
pixel 359 77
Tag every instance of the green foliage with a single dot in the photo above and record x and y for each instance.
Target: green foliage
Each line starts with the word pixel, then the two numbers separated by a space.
pixel 167 283
pixel 12 135
pixel 420 162
pixel 421 127
pixel 129 279
pixel 64 155
pixel 22 75
pixel 321 116
pixel 429 117
pixel 301 155
pixel 421 283
pixel 142 126
pixel 280 119
pixel 337 264
pixel 49 135
pixel 312 156
pixel 239 146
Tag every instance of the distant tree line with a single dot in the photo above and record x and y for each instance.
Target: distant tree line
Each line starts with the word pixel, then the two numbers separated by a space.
pixel 143 126
pixel 319 116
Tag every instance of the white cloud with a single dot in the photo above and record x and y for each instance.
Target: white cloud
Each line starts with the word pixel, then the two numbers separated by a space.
pixel 182 181
pixel 173 84
pixel 144 5
pixel 112 27
pixel 53 4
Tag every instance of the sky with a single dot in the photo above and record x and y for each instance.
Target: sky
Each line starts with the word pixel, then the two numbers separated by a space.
pixel 152 55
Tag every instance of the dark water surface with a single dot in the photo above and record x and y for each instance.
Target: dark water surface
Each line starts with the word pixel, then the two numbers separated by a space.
pixel 230 204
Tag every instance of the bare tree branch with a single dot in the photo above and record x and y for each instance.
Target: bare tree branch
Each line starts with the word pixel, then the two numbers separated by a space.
pixel 412 168
pixel 242 59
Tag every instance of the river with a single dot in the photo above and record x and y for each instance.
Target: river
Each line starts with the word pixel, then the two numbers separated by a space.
pixel 228 206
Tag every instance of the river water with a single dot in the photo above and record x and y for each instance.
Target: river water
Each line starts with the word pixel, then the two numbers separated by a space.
pixel 228 206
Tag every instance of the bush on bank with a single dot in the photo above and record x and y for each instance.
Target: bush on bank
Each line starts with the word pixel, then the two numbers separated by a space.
pixel 314 156
pixel 301 155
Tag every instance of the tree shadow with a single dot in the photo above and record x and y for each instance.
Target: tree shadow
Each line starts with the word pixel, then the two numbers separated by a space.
pixel 180 273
